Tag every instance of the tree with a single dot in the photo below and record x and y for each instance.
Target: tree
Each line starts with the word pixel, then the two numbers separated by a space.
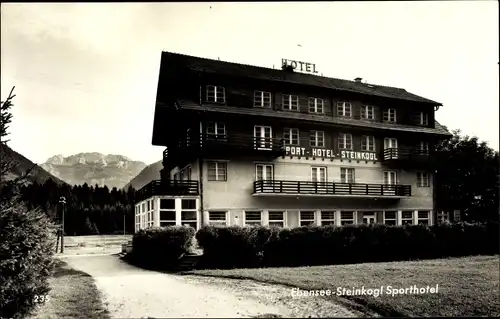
pixel 467 178
pixel 26 237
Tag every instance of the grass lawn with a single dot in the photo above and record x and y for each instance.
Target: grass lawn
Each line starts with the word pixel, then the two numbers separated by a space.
pixel 73 295
pixel 467 286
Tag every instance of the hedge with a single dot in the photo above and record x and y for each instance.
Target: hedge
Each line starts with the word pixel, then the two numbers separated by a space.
pixel 247 247
pixel 27 243
pixel 161 247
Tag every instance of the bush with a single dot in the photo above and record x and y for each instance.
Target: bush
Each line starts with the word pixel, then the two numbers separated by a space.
pixel 27 243
pixel 246 247
pixel 161 247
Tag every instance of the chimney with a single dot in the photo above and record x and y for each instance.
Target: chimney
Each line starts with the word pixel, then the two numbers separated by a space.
pixel 358 80
pixel 287 68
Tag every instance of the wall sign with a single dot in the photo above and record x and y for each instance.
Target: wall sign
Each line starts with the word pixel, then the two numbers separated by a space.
pixel 309 152
pixel 300 66
pixel 329 153
pixel 367 156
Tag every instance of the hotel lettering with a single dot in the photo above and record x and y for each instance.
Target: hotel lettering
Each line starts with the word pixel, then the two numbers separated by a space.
pixel 365 156
pixel 309 152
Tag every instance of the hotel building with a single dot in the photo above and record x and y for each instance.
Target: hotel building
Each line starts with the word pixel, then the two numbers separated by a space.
pixel 248 145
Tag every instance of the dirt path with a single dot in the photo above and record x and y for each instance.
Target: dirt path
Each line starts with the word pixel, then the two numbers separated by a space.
pixel 132 292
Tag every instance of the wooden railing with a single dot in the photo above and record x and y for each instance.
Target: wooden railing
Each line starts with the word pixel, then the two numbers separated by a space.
pixel 328 188
pixel 233 140
pixel 405 153
pixel 167 187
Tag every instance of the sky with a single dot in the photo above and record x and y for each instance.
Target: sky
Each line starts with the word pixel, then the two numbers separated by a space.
pixel 86 74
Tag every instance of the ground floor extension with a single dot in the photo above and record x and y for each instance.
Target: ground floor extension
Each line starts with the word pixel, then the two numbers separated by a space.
pixel 186 210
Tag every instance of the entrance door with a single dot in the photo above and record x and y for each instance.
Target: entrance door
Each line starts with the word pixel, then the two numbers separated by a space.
pixel 391 143
pixel 263 136
pixel 389 183
pixel 369 218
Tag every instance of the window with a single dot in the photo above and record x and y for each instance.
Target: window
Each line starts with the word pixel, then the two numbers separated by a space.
pixel 215 94
pixel 277 219
pixel 315 105
pixel 217 218
pixel 189 213
pixel 346 218
pixel 217 171
pixel 216 129
pixel 346 175
pixel 345 141
pixel 423 217
pixel 344 109
pixel 318 174
pixel 317 139
pixel 367 112
pixel 368 143
pixel 389 187
pixel 406 217
pixel 188 204
pixel 307 218
pixel 424 118
pixel 390 218
pixel 137 218
pixel 186 173
pixel 149 205
pixel 262 99
pixel 424 147
pixel 253 218
pixel 390 115
pixel 263 137
pixel 264 172
pixel 327 218
pixel 423 179
pixel 390 148
pixel 291 136
pixel 167 217
pixel 290 102
pixel 442 217
pixel 369 218
pixel 389 178
pixel 167 203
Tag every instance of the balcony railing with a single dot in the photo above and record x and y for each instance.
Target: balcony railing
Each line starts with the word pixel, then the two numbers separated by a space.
pixel 329 188
pixel 406 154
pixel 236 143
pixel 166 187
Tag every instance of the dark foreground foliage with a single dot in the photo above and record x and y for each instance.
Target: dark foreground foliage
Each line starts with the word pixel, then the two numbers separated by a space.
pixel 161 248
pixel 26 247
pixel 249 247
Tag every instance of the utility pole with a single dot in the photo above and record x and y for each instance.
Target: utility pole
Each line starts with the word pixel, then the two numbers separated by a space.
pixel 62 201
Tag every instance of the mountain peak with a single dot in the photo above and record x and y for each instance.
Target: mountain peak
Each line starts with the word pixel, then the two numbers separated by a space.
pixel 93 168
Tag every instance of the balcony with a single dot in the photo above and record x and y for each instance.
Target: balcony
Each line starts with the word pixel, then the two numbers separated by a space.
pixel 294 188
pixel 165 187
pixel 223 145
pixel 408 155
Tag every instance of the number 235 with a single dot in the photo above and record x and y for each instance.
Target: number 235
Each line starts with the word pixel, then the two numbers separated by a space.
pixel 41 298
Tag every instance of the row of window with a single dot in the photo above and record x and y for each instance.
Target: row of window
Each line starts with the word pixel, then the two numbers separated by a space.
pixel 307 218
pixel 291 136
pixel 290 102
pixel 217 171
pixel 167 209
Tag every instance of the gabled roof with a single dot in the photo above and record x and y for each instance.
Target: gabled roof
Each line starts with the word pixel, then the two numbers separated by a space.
pixel 257 72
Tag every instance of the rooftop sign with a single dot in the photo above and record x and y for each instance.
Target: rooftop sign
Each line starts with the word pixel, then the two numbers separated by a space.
pixel 300 66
